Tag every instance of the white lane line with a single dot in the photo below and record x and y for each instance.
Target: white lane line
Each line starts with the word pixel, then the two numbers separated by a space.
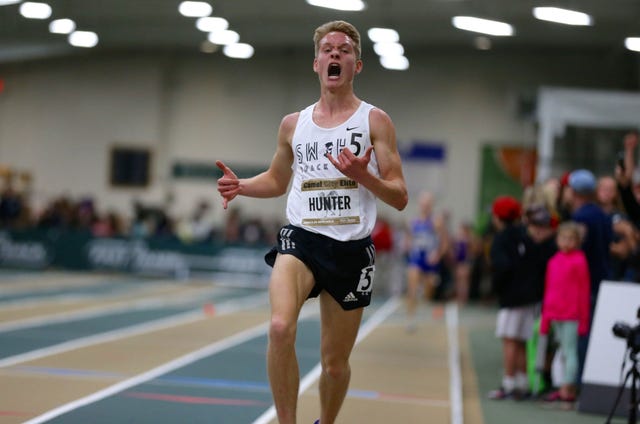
pixel 455 376
pixel 97 311
pixel 42 287
pixel 39 281
pixel 60 299
pixel 182 361
pixel 134 330
pixel 376 319
pixel 153 373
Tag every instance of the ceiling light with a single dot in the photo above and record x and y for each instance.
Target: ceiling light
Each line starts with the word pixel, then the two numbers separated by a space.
pixel 62 26
pixel 211 24
pixel 562 16
pixel 383 35
pixel 632 43
pixel 224 37
pixel 83 39
pixel 388 49
pixel 351 5
pixel 7 2
pixel 33 10
pixel 195 9
pixel 483 26
pixel 238 51
pixel 396 63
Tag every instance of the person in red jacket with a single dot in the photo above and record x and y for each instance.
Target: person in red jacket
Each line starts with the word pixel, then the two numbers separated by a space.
pixel 565 307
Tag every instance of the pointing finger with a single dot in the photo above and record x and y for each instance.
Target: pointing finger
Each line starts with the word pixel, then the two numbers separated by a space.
pixel 226 171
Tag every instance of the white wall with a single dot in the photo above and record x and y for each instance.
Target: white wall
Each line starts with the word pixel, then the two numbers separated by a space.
pixel 59 118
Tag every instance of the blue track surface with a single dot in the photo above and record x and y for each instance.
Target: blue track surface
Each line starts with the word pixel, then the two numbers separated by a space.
pixel 15 342
pixel 227 387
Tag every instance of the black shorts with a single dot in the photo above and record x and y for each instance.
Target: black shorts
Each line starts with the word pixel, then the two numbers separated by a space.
pixel 344 269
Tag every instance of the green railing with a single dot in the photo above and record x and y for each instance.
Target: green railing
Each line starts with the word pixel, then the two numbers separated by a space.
pixel 77 250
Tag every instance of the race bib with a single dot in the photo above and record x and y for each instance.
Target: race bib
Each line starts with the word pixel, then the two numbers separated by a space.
pixel 330 202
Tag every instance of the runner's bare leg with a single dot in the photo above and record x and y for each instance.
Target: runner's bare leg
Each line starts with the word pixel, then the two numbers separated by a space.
pixel 291 282
pixel 339 332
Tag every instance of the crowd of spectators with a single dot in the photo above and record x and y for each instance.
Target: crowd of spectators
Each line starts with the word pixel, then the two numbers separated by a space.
pixel 589 219
pixel 83 214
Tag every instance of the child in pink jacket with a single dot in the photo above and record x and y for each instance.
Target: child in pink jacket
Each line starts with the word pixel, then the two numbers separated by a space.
pixel 565 307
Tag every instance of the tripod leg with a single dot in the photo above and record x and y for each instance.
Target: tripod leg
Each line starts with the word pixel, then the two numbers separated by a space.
pixel 633 402
pixel 618 396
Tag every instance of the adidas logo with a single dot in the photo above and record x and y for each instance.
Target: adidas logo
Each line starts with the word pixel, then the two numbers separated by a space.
pixel 350 298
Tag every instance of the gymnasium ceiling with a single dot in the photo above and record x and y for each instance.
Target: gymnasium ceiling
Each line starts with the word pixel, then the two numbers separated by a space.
pixel 288 24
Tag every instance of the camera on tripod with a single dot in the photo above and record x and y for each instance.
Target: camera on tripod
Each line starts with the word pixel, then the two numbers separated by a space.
pixel 632 336
pixel 629 333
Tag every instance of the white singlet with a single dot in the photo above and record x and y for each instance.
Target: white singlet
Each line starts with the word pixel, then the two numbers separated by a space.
pixel 322 199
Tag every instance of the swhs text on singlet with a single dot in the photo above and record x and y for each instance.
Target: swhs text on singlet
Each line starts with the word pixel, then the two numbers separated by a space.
pixel 322 199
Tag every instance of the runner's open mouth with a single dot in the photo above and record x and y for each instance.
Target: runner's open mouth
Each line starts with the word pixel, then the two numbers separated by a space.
pixel 334 70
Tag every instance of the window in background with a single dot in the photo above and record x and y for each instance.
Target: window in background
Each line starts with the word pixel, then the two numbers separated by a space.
pixel 130 166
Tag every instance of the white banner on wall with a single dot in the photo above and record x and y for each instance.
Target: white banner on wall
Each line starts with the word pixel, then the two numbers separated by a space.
pixel 423 164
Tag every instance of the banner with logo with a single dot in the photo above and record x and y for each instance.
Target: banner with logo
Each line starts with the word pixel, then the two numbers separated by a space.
pixel 42 249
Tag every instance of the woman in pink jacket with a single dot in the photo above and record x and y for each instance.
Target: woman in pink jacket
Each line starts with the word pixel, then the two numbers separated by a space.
pixel 565 307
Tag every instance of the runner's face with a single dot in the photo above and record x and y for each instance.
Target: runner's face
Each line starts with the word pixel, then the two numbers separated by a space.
pixel 336 62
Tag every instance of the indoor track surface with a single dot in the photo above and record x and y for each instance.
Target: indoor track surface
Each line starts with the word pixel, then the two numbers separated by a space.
pixel 90 348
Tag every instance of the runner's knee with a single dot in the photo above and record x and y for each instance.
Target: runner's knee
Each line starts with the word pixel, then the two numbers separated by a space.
pixel 336 369
pixel 282 330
